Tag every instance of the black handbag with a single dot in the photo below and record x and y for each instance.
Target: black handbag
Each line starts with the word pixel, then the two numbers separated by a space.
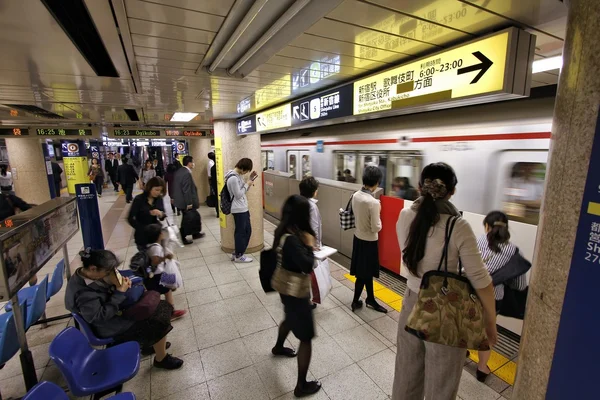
pixel 191 222
pixel 514 302
pixel 268 263
pixel 211 200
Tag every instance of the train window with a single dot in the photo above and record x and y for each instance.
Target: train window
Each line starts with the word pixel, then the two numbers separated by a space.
pixel 299 163
pixel 344 166
pixel 306 168
pixel 523 191
pixel 267 159
pixel 404 170
pixel 378 160
pixel 292 163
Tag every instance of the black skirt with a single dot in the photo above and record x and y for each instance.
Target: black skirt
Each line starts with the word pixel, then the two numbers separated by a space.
pixel 149 331
pixel 299 317
pixel 365 259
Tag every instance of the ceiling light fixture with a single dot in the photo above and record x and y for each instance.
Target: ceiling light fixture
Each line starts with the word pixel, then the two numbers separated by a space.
pixel 547 64
pixel 183 116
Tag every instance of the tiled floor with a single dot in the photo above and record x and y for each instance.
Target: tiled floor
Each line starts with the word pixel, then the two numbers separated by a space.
pixel 226 337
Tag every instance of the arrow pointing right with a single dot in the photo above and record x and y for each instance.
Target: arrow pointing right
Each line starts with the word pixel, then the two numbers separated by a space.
pixel 485 64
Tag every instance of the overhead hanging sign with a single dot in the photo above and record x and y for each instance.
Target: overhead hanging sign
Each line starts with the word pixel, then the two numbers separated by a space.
pixel 14 132
pixel 479 68
pixel 278 117
pixel 187 133
pixel 62 132
pixel 246 125
pixel 136 132
pixel 326 105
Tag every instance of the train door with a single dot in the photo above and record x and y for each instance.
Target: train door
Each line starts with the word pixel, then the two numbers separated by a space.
pixel 520 184
pixel 375 159
pixel 344 166
pixel 299 163
pixel 403 172
pixel 267 159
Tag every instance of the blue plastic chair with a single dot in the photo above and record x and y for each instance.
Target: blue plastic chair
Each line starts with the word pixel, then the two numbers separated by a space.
pixel 89 371
pixel 36 305
pixel 49 391
pixel 53 287
pixel 9 342
pixel 87 331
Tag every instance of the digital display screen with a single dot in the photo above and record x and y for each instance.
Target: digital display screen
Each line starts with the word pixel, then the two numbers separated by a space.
pixel 63 132
pixel 14 131
pixel 136 132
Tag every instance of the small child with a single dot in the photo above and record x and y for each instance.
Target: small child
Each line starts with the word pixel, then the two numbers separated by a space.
pixel 158 254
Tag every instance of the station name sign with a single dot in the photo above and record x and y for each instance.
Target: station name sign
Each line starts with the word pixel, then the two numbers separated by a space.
pixel 14 132
pixel 136 132
pixel 495 68
pixel 63 132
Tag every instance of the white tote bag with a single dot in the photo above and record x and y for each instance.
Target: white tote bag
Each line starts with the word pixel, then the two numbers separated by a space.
pixel 321 281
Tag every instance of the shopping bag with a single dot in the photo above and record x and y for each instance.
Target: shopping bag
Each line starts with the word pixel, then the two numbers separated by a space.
pixel 320 281
pixel 171 277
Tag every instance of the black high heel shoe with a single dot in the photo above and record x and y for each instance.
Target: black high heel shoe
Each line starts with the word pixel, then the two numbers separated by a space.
pixel 482 376
pixel 356 304
pixel 377 307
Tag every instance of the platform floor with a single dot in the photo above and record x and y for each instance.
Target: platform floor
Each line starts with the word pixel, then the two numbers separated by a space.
pixel 231 325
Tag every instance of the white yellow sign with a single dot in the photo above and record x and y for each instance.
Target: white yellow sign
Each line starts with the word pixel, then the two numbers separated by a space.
pixel 220 178
pixel 76 169
pixel 472 69
pixel 273 92
pixel 278 117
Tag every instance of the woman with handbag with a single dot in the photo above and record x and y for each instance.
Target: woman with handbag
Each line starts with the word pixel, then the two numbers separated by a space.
pixel 96 175
pixel 98 292
pixel 295 242
pixel 496 250
pixel 365 250
pixel 147 208
pixel 431 234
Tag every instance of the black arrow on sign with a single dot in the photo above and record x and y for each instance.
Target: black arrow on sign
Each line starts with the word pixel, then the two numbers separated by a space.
pixel 482 67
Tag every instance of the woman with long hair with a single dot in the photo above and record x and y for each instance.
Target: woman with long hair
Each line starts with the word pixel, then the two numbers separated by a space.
pixel 297 238
pixel 365 250
pixel 496 251
pixel 423 369
pixel 147 173
pixel 6 181
pixel 96 175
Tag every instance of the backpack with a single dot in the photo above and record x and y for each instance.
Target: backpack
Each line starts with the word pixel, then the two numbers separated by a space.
pixel 226 198
pixel 140 264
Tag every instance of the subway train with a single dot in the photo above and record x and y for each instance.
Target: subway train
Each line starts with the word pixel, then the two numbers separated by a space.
pixel 499 152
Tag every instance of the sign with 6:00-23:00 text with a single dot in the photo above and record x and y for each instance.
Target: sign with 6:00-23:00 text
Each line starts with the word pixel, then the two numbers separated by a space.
pixel 478 68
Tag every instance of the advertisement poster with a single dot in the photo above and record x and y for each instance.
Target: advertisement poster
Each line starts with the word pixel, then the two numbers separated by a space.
pixel 76 169
pixel 220 178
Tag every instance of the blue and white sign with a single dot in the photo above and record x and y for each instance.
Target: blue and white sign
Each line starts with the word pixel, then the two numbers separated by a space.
pixel 580 319
pixel 246 125
pixel 89 216
pixel 320 146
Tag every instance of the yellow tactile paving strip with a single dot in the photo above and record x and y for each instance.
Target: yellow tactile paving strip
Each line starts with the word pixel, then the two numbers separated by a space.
pixel 500 366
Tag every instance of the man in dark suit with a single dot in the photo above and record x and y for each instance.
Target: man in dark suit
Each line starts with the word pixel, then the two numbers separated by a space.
pixel 212 179
pixel 127 177
pixel 56 174
pixel 111 166
pixel 186 199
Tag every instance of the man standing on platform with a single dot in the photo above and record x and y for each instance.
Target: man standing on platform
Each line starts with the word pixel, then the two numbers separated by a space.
pixel 111 166
pixel 186 199
pixel 127 177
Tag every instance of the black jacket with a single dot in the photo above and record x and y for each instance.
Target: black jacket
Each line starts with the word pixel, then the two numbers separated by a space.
pixel 184 190
pixel 126 175
pixel 8 204
pixel 140 217
pixel 111 166
pixel 213 178
pixel 296 256
pixel 56 171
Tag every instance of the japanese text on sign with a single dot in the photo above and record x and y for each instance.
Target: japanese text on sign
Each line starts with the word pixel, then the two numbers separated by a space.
pixel 279 117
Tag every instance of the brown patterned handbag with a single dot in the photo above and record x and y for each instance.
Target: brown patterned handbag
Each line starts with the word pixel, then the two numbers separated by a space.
pixel 286 282
pixel 448 310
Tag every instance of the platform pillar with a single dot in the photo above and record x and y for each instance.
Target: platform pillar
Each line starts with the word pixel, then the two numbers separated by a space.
pixel 230 148
pixel 558 354
pixel 27 162
pixel 199 149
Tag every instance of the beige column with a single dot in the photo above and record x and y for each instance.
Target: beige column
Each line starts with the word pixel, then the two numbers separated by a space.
pixel 199 149
pixel 573 129
pixel 234 148
pixel 26 158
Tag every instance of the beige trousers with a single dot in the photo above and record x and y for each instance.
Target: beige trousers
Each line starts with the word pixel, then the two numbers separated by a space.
pixel 424 370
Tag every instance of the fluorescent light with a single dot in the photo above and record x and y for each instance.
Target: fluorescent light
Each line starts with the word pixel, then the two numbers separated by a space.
pixel 547 64
pixel 183 117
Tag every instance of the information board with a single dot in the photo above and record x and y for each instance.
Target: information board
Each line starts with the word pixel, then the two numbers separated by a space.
pixel 76 169
pixel 187 133
pixel 136 132
pixel 278 117
pixel 14 132
pixel 62 132
pixel 34 240
pixel 326 105
pixel 579 315
pixel 473 69
pixel 246 125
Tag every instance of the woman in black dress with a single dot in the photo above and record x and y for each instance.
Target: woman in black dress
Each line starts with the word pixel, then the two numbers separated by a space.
pixel 297 239
pixel 147 209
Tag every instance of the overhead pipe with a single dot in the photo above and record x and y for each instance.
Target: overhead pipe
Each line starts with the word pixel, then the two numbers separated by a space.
pixel 276 27
pixel 237 33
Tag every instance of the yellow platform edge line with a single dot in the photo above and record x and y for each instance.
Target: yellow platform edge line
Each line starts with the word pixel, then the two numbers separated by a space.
pixel 500 366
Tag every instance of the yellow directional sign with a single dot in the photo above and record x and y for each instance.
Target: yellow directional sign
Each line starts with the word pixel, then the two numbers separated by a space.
pixel 473 69
pixel 278 117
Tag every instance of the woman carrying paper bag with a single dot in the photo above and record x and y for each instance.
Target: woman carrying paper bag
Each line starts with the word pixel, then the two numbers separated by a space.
pixel 320 277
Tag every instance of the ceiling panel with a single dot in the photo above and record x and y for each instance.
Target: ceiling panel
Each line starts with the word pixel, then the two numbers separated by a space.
pixel 308 57
pixel 170 31
pixel 172 15
pixel 217 7
pixel 167 54
pixel 532 13
pixel 167 63
pixel 169 44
